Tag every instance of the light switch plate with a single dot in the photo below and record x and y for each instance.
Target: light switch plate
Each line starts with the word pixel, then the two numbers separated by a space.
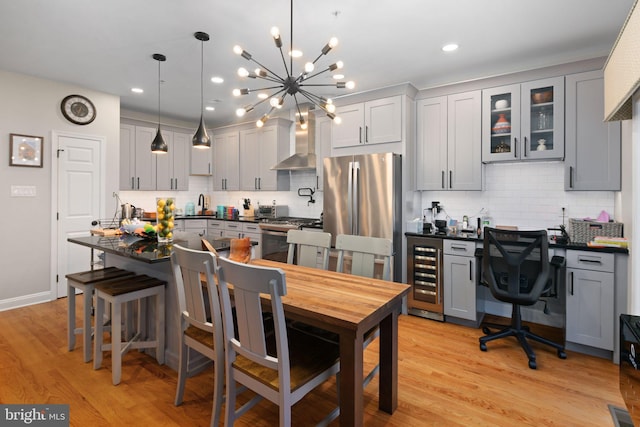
pixel 23 191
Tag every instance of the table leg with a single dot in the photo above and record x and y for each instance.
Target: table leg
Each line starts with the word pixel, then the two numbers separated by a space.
pixel 388 399
pixel 351 377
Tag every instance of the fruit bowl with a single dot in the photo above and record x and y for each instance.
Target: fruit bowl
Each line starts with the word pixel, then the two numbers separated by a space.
pixel 139 228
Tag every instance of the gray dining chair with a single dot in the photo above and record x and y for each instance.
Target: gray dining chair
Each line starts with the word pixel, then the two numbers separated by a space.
pixel 282 367
pixel 364 252
pixel 200 329
pixel 304 246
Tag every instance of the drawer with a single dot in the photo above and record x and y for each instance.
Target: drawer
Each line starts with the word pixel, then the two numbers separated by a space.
pixel 215 224
pixel 232 226
pixel 195 224
pixel 249 227
pixel 459 247
pixel 588 260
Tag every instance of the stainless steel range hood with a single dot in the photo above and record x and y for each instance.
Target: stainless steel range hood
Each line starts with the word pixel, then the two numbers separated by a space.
pixel 305 155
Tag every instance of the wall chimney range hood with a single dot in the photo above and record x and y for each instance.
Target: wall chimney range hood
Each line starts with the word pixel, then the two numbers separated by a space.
pixel 305 154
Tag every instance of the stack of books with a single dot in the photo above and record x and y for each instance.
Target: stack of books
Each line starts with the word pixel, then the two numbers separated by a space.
pixel 613 242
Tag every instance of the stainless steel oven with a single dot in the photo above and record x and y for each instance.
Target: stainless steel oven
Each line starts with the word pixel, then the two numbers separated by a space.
pixel 274 235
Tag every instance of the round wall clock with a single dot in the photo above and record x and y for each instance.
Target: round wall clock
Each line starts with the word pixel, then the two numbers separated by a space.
pixel 78 109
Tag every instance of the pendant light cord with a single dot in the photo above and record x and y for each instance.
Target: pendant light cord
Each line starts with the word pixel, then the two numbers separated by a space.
pixel 291 43
pixel 201 76
pixel 158 95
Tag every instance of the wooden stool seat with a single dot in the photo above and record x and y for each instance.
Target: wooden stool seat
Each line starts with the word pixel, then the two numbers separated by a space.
pixel 120 291
pixel 85 281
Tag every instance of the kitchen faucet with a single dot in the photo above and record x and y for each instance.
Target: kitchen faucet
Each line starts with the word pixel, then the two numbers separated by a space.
pixel 201 203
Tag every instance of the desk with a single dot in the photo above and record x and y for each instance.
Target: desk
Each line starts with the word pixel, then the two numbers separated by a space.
pixel 349 306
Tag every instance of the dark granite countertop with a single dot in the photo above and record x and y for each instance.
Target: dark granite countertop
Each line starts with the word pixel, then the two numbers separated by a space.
pixel 552 244
pixel 252 219
pixel 147 249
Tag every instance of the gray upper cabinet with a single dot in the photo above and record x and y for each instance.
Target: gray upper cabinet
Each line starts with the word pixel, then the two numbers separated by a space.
pixel 448 142
pixel 373 122
pixel 523 121
pixel 593 158
pixel 137 162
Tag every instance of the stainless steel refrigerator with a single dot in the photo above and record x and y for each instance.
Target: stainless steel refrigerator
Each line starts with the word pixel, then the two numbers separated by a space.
pixel 363 196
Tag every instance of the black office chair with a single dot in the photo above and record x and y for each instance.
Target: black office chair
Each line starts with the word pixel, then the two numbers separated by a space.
pixel 516 267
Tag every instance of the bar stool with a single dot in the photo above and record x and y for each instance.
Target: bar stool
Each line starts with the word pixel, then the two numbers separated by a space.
pixel 123 291
pixel 85 281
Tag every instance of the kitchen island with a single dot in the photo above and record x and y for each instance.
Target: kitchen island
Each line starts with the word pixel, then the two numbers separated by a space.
pixel 147 256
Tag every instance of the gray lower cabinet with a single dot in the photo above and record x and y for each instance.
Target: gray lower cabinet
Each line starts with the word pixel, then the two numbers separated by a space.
pixel 215 228
pixel 592 146
pixel 459 279
pixel 590 285
pixel 196 226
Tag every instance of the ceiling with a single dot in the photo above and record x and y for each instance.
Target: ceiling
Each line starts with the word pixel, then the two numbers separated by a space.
pixel 107 45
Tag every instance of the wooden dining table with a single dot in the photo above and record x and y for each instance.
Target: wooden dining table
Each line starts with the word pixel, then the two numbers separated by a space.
pixel 349 306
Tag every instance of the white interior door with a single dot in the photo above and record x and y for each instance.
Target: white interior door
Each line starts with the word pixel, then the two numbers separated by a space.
pixel 80 191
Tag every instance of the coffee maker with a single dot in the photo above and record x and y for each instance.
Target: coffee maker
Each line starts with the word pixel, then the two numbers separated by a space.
pixel 439 218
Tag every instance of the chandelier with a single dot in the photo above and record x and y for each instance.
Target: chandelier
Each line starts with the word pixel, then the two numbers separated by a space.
pixel 290 84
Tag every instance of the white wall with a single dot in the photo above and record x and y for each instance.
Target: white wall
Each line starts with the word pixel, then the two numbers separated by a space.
pixel 31 106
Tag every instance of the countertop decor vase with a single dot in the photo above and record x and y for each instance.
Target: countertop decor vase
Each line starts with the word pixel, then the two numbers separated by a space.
pixel 502 125
pixel 165 208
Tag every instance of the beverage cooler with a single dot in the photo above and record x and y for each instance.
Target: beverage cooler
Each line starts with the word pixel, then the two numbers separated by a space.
pixel 424 274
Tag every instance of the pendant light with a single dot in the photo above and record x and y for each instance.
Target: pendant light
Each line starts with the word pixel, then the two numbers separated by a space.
pixel 158 145
pixel 201 138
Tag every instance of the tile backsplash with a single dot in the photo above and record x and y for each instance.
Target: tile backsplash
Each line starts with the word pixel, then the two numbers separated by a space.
pixel 527 195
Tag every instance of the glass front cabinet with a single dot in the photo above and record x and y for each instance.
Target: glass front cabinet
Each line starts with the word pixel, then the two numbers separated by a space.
pixel 523 121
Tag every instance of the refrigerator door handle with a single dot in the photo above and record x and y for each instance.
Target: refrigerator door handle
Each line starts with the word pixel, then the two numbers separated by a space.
pixel 356 199
pixel 350 197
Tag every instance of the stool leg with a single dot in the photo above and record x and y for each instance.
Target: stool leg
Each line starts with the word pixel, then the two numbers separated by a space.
pixel 97 341
pixel 116 342
pixel 160 326
pixel 86 325
pixel 71 316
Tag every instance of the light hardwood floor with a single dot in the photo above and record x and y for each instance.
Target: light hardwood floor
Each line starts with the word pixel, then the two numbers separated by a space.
pixel 444 380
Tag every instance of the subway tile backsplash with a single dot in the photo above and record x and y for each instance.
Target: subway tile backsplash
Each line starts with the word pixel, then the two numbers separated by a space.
pixel 527 195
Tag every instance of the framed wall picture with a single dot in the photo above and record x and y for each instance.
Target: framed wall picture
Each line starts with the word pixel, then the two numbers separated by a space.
pixel 25 150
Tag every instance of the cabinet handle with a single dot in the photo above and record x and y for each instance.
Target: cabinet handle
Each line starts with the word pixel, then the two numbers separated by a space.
pixel 317 182
pixel 442 179
pixel 524 152
pixel 571 281
pixel 225 183
pixel 259 183
pixel 515 147
pixel 366 134
pixel 470 270
pixel 360 135
pixel 592 261
pixel 255 183
pixel 176 183
pixel 570 176
pixel 133 184
pixel 450 179
pixel 138 183
pixel 209 168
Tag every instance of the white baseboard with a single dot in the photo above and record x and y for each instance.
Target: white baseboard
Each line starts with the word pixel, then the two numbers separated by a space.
pixel 25 300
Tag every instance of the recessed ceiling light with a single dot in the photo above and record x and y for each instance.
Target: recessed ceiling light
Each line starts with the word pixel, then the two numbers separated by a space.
pixel 217 79
pixel 296 53
pixel 450 47
pixel 263 96
pixel 136 90
pixel 338 76
pixel 209 108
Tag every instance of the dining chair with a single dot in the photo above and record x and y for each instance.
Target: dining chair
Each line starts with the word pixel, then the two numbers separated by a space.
pixel 304 246
pixel 282 367
pixel 364 252
pixel 207 246
pixel 200 329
